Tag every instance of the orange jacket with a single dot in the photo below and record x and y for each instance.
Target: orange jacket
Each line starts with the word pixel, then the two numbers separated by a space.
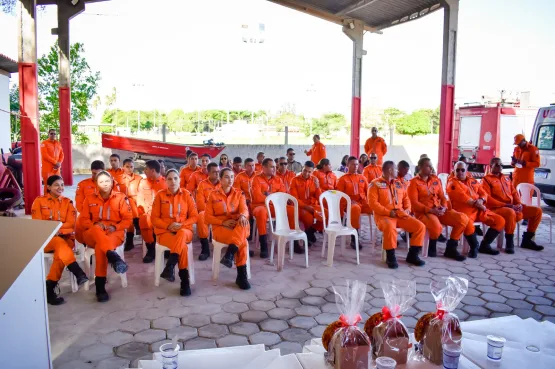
pixel 221 207
pixel 84 188
pixel 129 185
pixel 426 195
pixel 384 196
pixel 244 183
pixel 261 184
pixel 147 192
pixel 258 168
pixel 51 153
pixel 114 211
pixel 117 175
pixel 195 179
pixel 237 173
pixel 286 178
pixel 185 174
pixel 461 192
pixel 355 186
pixel 203 190
pixel 169 208
pixel 403 181
pixel 61 209
pixel 531 155
pixel 500 191
pixel 371 172
pixel 317 152
pixel 376 145
pixel 305 191
pixel 328 181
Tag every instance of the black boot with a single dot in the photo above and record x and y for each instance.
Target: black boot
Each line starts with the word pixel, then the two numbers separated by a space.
pixel 137 226
pixel 251 223
pixel 413 258
pixel 169 271
pixel 263 247
pixel 51 296
pixel 227 260
pixel 441 238
pixel 205 249
pixel 478 231
pixel 509 243
pixel 353 242
pixel 119 265
pixel 473 243
pixel 528 242
pixel 485 245
pixel 129 244
pixel 150 253
pixel 78 273
pixel 391 260
pixel 101 294
pixel 297 248
pixel 311 236
pixel 432 251
pixel 451 251
pixel 242 281
pixel 185 289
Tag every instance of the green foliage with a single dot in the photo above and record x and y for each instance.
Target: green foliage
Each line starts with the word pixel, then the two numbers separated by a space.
pixel 417 123
pixel 15 124
pixel 286 119
pixel 392 116
pixel 326 124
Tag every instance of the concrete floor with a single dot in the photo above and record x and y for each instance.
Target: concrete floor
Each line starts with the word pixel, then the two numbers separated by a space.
pixel 282 310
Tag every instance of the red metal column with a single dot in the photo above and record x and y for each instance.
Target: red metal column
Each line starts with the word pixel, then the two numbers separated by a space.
pixel 65 134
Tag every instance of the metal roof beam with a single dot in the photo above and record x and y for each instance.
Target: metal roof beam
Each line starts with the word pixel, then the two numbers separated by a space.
pixel 355 6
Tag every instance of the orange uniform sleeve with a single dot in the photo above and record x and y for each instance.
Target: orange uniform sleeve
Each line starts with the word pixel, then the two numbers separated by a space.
pixel 257 196
pixel 373 198
pixel 417 206
pixel 192 184
pixel 182 178
pixel 455 191
pixel 209 214
pixel 491 201
pixel 406 201
pixel 293 192
pixel 364 190
pixel 84 218
pixel 384 147
pixel 141 195
pixel 483 194
pixel 192 212
pixel 201 199
pixel 156 213
pixel 309 152
pixel 35 209
pixel 126 214
pixel 342 185
pixel 243 209
pixel 46 155
pixel 534 158
pixel 68 227
pixel 79 198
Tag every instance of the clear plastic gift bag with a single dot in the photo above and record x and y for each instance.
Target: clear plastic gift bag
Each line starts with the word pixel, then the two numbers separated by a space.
pixel 349 347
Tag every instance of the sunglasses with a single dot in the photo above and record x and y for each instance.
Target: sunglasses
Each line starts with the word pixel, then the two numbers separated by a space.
pixel 460 170
pixel 52 134
pixel 373 158
pixel 282 163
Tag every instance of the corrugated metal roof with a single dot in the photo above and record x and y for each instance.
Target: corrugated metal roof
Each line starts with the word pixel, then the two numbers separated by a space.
pixel 8 64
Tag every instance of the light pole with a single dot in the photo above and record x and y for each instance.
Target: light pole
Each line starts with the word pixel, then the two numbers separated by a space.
pixel 138 85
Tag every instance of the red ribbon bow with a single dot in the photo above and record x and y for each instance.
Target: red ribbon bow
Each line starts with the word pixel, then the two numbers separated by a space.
pixel 344 320
pixel 440 313
pixel 386 313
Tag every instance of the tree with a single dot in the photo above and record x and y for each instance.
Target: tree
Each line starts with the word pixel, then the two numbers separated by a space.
pixel 391 116
pixel 15 125
pixel 417 123
pixel 286 119
pixel 435 120
pixel 326 124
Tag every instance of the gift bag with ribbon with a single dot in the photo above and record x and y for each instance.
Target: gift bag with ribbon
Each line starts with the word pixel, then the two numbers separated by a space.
pixel 349 346
pixel 388 335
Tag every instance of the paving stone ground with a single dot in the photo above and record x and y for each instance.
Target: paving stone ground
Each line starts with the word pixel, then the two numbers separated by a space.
pixel 282 310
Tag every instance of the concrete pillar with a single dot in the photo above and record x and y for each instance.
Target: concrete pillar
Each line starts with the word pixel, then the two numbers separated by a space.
pixel 447 109
pixel 5 136
pixel 354 29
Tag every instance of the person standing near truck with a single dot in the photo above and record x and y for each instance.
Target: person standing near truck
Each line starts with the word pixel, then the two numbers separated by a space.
pixel 525 159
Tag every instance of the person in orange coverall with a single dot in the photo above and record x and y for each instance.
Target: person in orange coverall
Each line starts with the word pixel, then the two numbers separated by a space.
pixel 148 188
pixel 226 210
pixel 52 156
pixel 264 184
pixel 204 188
pixel 199 175
pixel 376 145
pixel 318 151
pixel 469 198
pixel 356 187
pixel 326 178
pixel 503 199
pixel 84 189
pixel 187 171
pixel 525 158
pixel 285 175
pixel 106 217
pixel 129 186
pixel 53 206
pixel 259 160
pixel 237 166
pixel 372 170
pixel 116 171
pixel 391 206
pixel 430 206
pixel 173 214
pixel 243 182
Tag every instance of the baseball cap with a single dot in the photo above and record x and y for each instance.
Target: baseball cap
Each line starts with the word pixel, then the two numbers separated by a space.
pixel 519 138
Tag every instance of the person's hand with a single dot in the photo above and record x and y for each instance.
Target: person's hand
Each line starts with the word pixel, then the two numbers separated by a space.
pixel 517 208
pixel 100 225
pixel 111 229
pixel 481 206
pixel 442 210
pixel 174 227
pixel 305 151
pixel 407 212
pixel 308 208
pixel 266 193
pixel 435 211
pixel 522 162
pixel 229 223
pixel 316 183
pixel 243 221
pixel 392 214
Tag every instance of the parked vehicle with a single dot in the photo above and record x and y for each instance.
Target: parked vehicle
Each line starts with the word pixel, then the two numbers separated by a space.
pixel 543 138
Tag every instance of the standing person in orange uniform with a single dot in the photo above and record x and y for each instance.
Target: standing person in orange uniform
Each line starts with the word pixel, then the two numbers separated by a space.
pixel 198 176
pixel 318 151
pixel 237 165
pixel 285 175
pixel 53 206
pixel 105 222
pixel 187 171
pixel 376 144
pixel 129 186
pixel 259 160
pixel 264 184
pixel 391 205
pixel 525 158
pixel 372 170
pixel 116 171
pixel 503 199
pixel 203 191
pixel 85 188
pixel 148 188
pixel 243 182
pixel 52 156
pixel 469 198
pixel 226 211
pixel 173 215
pixel 430 206
pixel 355 186
pixel 326 177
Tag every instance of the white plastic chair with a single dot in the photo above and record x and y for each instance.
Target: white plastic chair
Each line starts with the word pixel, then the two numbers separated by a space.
pixel 525 191
pixel 159 263
pixel 217 256
pixel 443 178
pixel 334 226
pixel 384 254
pixel 281 228
pixel 466 246
pixel 49 259
pixel 338 173
pixel 89 269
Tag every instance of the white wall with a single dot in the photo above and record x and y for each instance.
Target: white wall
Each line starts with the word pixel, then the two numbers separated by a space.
pixel 5 138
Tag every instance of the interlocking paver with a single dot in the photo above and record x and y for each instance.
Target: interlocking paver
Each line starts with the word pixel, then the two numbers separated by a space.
pixel 326 318
pixel 183 333
pixel 537 300
pixel 232 340
pixel 152 313
pixel 318 331
pixel 225 318
pixel 132 350
pixel 493 297
pixel 98 351
pixel 476 310
pixel 254 316
pixel 110 363
pixel 518 277
pixel 166 322
pixel 483 281
pixel 519 304
pixel 292 294
pixel 302 322
pixel 244 297
pixel 546 310
pixel 498 307
pixel 550 289
pixel 151 335
pixel 262 305
pixel 330 308
pixel 266 338
pixel 288 303
pixel 296 335
pixel 244 328
pixel 307 310
pixel 219 299
pixel 213 331
pixel 195 320
pixel 526 313
pixel 281 313
pixel 116 338
pixel 513 295
pixel 135 325
pixel 209 309
pixel 525 284
pixel 200 344
pixel 531 292
pixel 316 291
pixel 488 289
pixel 155 347
pixel 313 300
pixel 274 325
pixel 425 306
pixel 235 307
pixel 507 287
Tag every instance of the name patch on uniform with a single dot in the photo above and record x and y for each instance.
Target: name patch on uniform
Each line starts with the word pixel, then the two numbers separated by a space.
pixel 93 204
pixel 436 183
pixel 381 185
pixel 397 184
pixel 164 201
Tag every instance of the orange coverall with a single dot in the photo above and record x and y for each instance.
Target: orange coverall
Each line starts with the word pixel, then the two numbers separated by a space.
pixel 51 154
pixel 220 207
pixel 129 186
pixel 185 174
pixel 356 187
pixel 371 172
pixel 426 195
pixel 317 152
pixel 531 155
pixel 261 184
pixel 501 192
pixel 145 197
pixel 194 181
pixel 203 191
pixel 328 181
pixel 117 175
pixel 258 168
pixel 460 192
pixel 376 145
pixel 244 183
pixel 62 210
pixel 179 208
pixel 383 197
pixel 306 193
pixel 286 178
pixel 84 188
pixel 114 211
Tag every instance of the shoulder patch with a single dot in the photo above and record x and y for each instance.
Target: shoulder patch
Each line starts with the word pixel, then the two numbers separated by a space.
pixel 453 188
pixel 435 183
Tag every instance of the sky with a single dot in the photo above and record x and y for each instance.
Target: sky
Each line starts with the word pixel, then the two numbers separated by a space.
pixel 190 55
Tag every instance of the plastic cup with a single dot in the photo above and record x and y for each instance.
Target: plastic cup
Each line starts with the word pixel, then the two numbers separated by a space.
pixel 451 355
pixel 385 363
pixel 169 354
pixel 495 347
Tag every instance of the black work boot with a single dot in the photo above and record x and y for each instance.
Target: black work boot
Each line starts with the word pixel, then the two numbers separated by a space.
pixel 311 236
pixel 485 245
pixel 185 289
pixel 101 294
pixel 432 251
pixel 509 243
pixel 205 249
pixel 353 242
pixel 478 231
pixel 528 242
pixel 263 247
pixel 297 248
pixel 129 244
pixel 391 260
pixel 78 273
pixel 251 234
pixel 150 253
pixel 473 243
pixel 451 251
pixel 115 261
pixel 51 296
pixel 227 260
pixel 242 281
pixel 169 271
pixel 413 258
pixel 441 238
pixel 137 226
